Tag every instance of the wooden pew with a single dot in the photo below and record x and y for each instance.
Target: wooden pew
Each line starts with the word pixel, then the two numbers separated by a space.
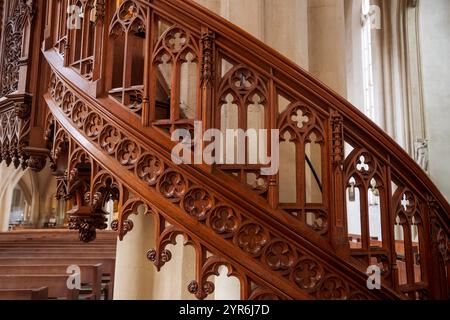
pixel 51 248
pixel 90 274
pixel 108 265
pixel 54 243
pixel 24 294
pixel 60 248
pixel 57 250
pixel 54 234
pixel 79 254
pixel 57 284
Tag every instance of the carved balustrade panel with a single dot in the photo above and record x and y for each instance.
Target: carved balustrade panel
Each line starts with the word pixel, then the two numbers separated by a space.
pixel 410 245
pixel 77 28
pixel 387 223
pixel 366 184
pixel 127 39
pixel 65 16
pixel 302 182
pixel 174 76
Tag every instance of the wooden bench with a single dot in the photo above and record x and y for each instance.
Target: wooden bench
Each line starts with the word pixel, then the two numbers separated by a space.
pixel 79 254
pixel 50 252
pixel 57 249
pixel 108 265
pixel 53 243
pixel 57 284
pixel 55 234
pixel 90 274
pixel 24 294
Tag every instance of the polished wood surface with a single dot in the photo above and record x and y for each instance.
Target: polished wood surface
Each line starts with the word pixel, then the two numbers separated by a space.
pixel 35 253
pixel 89 274
pixel 24 294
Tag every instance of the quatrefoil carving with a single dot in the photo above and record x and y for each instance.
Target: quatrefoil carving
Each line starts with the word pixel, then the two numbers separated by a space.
pixel 176 40
pixel 300 118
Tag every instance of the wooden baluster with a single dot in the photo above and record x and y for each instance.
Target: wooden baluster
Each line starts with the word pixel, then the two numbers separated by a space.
pixel 149 113
pixel 147 69
pixel 69 48
pixel 273 195
pixel 388 222
pixel 98 38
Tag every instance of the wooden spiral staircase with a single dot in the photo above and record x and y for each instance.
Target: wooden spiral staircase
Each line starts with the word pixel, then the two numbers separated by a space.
pixel 100 102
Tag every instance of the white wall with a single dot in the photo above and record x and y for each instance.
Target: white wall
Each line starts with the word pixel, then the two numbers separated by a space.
pixel 435 43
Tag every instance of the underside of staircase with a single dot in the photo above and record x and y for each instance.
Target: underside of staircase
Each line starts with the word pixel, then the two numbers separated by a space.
pixel 108 141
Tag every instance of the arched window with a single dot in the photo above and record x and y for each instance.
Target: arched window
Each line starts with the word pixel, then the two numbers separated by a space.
pixel 17 214
pixel 367 61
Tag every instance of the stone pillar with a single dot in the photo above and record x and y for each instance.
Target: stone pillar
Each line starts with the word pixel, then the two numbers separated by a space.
pixel 327 50
pixel 355 79
pixel 134 273
pixel 435 45
pixel 248 14
pixel 213 5
pixel 286 29
pixel 283 25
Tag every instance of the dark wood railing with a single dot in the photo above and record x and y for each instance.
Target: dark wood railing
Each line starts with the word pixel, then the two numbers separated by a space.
pixel 154 67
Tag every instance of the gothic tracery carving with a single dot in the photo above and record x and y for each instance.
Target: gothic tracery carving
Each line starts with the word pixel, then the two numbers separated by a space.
pixel 21 12
pixel 15 120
